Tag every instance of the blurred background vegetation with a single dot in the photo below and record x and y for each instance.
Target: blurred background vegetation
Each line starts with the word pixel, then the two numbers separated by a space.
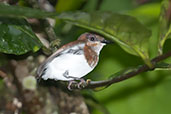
pixel 146 93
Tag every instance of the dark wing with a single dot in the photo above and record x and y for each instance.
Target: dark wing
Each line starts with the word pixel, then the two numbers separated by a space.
pixel 64 49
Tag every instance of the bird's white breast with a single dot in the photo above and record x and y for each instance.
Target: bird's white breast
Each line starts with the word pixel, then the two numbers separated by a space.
pixel 76 65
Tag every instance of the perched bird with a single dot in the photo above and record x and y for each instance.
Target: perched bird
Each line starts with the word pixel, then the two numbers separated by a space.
pixel 74 60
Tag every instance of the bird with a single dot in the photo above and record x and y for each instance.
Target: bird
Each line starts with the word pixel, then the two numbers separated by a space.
pixel 74 60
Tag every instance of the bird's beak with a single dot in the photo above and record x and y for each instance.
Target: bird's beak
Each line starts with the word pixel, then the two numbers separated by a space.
pixel 107 41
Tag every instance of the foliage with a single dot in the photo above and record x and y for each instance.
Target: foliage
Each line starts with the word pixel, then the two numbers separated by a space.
pixel 133 28
pixel 165 24
pixel 17 36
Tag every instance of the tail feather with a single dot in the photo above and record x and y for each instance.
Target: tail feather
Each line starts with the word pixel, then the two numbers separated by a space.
pixel 40 72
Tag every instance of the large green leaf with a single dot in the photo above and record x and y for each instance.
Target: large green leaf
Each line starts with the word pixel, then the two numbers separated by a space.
pixel 68 5
pixel 165 24
pixel 130 34
pixel 17 37
pixel 17 11
pixel 146 13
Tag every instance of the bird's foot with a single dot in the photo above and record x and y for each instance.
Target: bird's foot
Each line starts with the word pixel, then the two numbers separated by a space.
pixel 70 83
pixel 81 84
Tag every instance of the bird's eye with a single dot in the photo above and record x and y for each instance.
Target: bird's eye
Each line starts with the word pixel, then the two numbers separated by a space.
pixel 92 38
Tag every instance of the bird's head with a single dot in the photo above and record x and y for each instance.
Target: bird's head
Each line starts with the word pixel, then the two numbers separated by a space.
pixel 94 41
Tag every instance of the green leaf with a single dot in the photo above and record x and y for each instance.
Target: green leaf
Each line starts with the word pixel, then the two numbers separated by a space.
pixel 68 5
pixel 165 24
pixel 130 34
pixel 17 11
pixel 147 13
pixel 17 37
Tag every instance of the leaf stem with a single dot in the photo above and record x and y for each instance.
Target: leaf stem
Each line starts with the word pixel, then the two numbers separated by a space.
pixel 161 43
pixel 146 59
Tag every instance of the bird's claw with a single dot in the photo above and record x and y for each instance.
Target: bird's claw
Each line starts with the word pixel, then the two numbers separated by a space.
pixel 70 83
pixel 88 81
pixel 81 84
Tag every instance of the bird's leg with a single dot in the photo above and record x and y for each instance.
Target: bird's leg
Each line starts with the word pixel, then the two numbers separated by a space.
pixel 66 75
pixel 81 83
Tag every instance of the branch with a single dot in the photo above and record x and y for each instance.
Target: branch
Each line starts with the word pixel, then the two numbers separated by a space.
pixel 124 76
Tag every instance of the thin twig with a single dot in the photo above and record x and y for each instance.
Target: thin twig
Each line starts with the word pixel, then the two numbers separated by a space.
pixel 132 73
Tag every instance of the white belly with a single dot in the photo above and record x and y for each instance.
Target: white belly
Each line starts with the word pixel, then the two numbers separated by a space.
pixel 76 65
